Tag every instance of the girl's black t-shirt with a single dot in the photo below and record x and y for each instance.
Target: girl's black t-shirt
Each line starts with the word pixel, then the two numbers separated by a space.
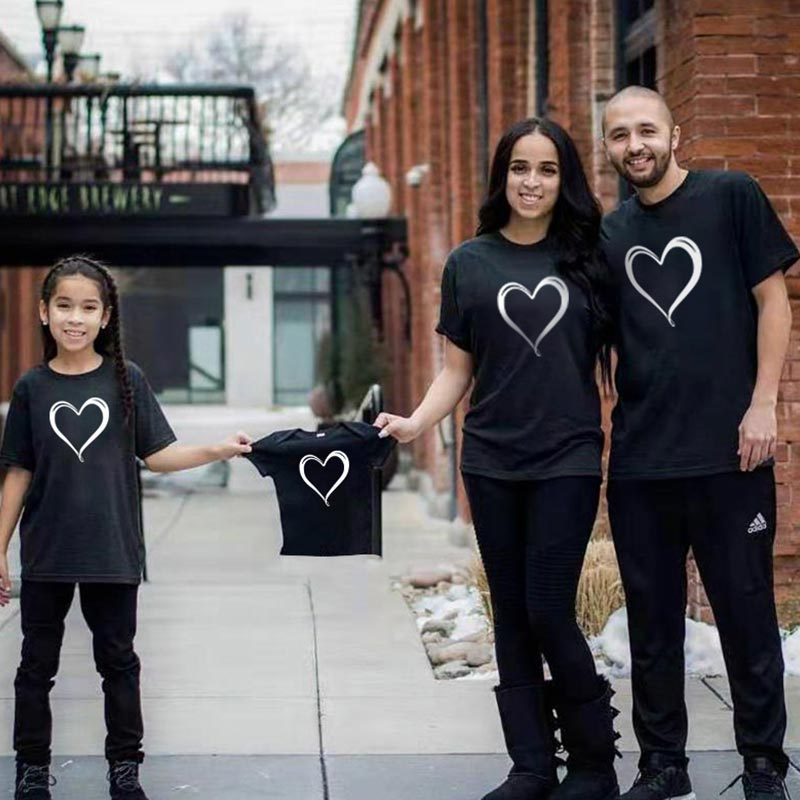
pixel 534 409
pixel 80 522
pixel 682 272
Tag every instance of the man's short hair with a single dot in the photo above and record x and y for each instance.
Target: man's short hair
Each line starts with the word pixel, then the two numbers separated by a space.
pixel 639 91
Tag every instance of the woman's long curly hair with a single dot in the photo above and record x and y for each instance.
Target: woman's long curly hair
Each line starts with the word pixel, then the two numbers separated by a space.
pixel 574 229
pixel 109 339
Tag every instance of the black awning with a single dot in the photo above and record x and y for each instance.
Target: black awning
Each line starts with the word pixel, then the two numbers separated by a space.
pixel 27 241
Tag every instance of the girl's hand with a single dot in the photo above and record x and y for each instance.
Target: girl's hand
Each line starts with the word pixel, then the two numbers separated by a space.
pixel 236 445
pixel 402 428
pixel 5 581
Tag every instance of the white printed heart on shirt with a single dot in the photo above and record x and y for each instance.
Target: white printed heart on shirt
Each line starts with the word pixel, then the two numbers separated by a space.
pixel 555 283
pixel 681 243
pixel 92 401
pixel 334 454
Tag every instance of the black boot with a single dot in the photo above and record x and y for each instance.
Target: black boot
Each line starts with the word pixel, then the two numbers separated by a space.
pixel 530 744
pixel 33 782
pixel 123 779
pixel 587 734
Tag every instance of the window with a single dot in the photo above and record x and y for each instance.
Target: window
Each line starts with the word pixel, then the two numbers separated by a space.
pixel 636 30
pixel 302 319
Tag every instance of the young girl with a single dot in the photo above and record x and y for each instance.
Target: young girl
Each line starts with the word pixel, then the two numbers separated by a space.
pixel 522 310
pixel 76 424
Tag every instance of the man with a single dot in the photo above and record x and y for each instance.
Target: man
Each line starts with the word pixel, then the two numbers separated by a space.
pixel 697 261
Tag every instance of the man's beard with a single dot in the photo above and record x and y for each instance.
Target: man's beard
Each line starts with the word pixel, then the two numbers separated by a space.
pixel 660 167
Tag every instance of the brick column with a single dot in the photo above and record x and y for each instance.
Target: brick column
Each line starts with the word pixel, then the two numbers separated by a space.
pixel 731 73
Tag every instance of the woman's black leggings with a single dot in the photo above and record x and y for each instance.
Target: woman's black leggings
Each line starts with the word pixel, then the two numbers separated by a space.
pixel 532 537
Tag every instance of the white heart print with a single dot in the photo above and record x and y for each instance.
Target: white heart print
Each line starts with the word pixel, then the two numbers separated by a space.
pixel 681 243
pixel 92 401
pixel 334 454
pixel 555 283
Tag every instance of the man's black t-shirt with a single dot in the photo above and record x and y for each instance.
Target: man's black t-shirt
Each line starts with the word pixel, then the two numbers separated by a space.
pixel 324 485
pixel 683 270
pixel 80 522
pixel 534 410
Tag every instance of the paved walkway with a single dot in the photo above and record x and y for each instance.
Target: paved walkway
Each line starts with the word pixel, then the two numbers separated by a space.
pixel 300 678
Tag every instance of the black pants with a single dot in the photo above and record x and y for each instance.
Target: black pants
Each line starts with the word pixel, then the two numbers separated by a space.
pixel 729 522
pixel 110 613
pixel 532 537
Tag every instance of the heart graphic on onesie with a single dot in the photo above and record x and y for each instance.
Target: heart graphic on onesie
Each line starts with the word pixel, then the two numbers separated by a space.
pixel 92 401
pixel 681 243
pixel 334 454
pixel 555 283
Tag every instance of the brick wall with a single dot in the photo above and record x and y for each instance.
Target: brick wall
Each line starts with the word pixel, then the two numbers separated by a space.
pixel 730 70
pixel 19 322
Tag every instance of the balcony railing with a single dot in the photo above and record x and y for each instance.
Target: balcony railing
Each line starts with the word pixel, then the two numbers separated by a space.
pixel 51 135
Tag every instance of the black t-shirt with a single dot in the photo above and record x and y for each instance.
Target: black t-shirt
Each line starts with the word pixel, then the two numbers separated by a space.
pixel 324 485
pixel 534 410
pixel 80 522
pixel 683 270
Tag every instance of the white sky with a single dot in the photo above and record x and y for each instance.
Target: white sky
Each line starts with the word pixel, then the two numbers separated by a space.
pixel 128 33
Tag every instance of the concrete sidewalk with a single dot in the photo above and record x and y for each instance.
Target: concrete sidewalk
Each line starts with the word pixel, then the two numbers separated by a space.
pixel 303 678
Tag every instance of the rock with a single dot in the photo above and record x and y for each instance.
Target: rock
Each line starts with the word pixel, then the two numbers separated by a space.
pixel 451 614
pixel 458 578
pixel 432 637
pixel 441 654
pixel 426 578
pixel 442 626
pixel 479 654
pixel 443 586
pixel 479 637
pixel 490 667
pixel 457 592
pixel 455 669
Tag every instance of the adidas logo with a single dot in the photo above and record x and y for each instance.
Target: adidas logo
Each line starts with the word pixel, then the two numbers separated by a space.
pixel 758 524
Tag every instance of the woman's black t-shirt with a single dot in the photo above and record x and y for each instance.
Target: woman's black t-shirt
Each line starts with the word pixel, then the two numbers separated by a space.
pixel 81 517
pixel 534 410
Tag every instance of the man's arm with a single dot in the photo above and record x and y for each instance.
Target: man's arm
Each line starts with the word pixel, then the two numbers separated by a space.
pixel 758 430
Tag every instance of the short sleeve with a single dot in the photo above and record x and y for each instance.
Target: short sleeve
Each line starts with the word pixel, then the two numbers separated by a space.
pixel 381 450
pixel 262 455
pixel 764 244
pixel 17 447
pixel 451 319
pixel 153 432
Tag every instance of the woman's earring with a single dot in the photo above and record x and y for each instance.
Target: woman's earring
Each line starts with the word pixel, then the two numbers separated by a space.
pixel 44 322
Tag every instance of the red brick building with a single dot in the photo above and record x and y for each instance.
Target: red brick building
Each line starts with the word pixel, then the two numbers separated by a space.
pixel 18 287
pixel 434 82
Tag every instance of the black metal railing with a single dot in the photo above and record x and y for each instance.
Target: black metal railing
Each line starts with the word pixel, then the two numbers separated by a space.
pixel 127 133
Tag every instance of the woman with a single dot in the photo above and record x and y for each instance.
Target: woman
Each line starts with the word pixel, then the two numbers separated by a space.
pixel 522 311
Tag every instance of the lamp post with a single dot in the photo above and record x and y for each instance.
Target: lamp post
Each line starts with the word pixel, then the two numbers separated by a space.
pixel 89 66
pixel 70 41
pixel 372 195
pixel 49 13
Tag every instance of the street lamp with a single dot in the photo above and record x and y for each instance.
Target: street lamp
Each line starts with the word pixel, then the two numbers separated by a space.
pixel 49 13
pixel 89 66
pixel 372 195
pixel 70 41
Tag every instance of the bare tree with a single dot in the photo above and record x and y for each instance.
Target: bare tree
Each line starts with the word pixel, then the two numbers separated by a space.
pixel 296 104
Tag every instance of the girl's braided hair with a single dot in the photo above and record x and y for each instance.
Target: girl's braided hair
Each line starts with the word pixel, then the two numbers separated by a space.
pixel 109 339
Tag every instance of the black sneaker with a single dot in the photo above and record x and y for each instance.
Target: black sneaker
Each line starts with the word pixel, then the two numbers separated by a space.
pixel 123 778
pixel 761 781
pixel 33 782
pixel 661 783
